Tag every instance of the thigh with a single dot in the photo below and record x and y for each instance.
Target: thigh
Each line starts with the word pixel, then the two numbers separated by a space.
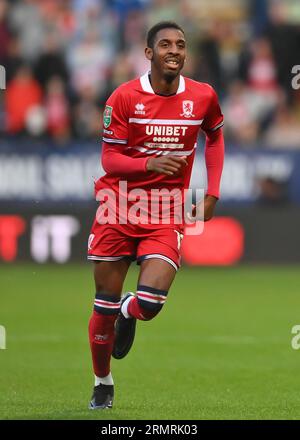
pixel 110 275
pixel 110 243
pixel 161 244
pixel 156 273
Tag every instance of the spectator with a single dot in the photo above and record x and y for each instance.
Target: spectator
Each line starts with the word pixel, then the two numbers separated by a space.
pixel 285 131
pixel 57 110
pixel 163 10
pixel 258 69
pixel 26 22
pixel 137 62
pixel 93 14
pixel 134 28
pixel 78 58
pixel 51 62
pixel 208 65
pixel 23 92
pixel 5 34
pixel 285 40
pixel 89 61
pixel 14 59
pixel 125 11
pixel 240 115
pixel 87 114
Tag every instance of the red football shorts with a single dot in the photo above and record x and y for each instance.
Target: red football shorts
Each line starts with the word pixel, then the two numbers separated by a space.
pixel 137 242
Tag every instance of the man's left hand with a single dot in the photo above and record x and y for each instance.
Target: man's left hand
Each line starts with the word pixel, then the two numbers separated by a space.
pixel 208 208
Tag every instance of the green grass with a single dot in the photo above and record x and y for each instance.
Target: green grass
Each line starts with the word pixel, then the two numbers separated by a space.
pixel 220 349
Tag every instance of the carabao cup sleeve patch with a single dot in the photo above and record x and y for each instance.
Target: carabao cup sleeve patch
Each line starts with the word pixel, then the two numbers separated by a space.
pixel 107 114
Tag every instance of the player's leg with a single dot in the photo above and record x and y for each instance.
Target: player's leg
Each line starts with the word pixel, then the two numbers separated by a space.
pixel 158 255
pixel 155 279
pixel 111 249
pixel 109 278
pixel 158 273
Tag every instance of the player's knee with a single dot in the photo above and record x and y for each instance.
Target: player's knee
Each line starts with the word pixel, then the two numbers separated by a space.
pixel 151 301
pixel 111 289
pixel 106 303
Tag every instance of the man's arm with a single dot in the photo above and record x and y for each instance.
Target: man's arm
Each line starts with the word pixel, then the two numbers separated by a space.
pixel 116 163
pixel 214 159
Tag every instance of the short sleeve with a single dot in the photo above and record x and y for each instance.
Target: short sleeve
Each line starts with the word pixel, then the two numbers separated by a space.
pixel 115 118
pixel 214 118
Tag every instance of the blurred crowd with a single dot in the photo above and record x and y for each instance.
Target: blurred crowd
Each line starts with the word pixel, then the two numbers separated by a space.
pixel 63 58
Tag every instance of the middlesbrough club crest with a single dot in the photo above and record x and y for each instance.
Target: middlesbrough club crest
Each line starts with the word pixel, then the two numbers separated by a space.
pixel 187 108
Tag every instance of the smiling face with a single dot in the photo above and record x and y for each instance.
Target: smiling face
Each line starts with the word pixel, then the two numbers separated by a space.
pixel 168 53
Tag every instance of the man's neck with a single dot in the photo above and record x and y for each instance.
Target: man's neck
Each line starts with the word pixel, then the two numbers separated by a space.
pixel 161 86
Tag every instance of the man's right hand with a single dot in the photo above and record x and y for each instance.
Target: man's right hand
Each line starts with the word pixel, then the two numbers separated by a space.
pixel 169 165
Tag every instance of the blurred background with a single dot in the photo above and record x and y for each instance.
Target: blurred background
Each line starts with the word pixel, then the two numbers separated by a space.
pixel 63 58
pixel 228 356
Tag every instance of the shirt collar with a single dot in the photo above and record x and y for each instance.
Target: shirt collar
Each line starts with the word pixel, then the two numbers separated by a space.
pixel 146 85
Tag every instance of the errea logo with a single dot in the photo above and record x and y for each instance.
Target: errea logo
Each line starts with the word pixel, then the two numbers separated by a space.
pixel 139 109
pixel 101 337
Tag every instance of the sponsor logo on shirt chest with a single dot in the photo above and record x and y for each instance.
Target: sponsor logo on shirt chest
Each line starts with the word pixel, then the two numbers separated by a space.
pixel 165 130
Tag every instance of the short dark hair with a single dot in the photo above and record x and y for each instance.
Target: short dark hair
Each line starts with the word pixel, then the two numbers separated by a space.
pixel 158 27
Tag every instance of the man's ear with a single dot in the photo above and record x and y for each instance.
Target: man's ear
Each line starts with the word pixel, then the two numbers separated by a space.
pixel 149 53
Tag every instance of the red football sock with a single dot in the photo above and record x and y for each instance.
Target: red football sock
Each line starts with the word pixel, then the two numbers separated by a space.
pixel 101 335
pixel 136 311
pixel 147 303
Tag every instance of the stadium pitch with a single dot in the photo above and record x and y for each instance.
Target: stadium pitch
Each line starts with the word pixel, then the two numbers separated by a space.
pixel 221 348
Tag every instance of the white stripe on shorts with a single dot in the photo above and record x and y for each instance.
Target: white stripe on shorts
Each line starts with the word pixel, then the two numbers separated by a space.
pixel 161 257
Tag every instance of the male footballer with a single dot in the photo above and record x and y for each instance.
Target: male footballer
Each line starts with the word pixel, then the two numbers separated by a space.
pixel 151 125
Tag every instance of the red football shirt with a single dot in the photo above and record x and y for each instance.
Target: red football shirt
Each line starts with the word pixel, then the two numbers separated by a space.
pixel 142 124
